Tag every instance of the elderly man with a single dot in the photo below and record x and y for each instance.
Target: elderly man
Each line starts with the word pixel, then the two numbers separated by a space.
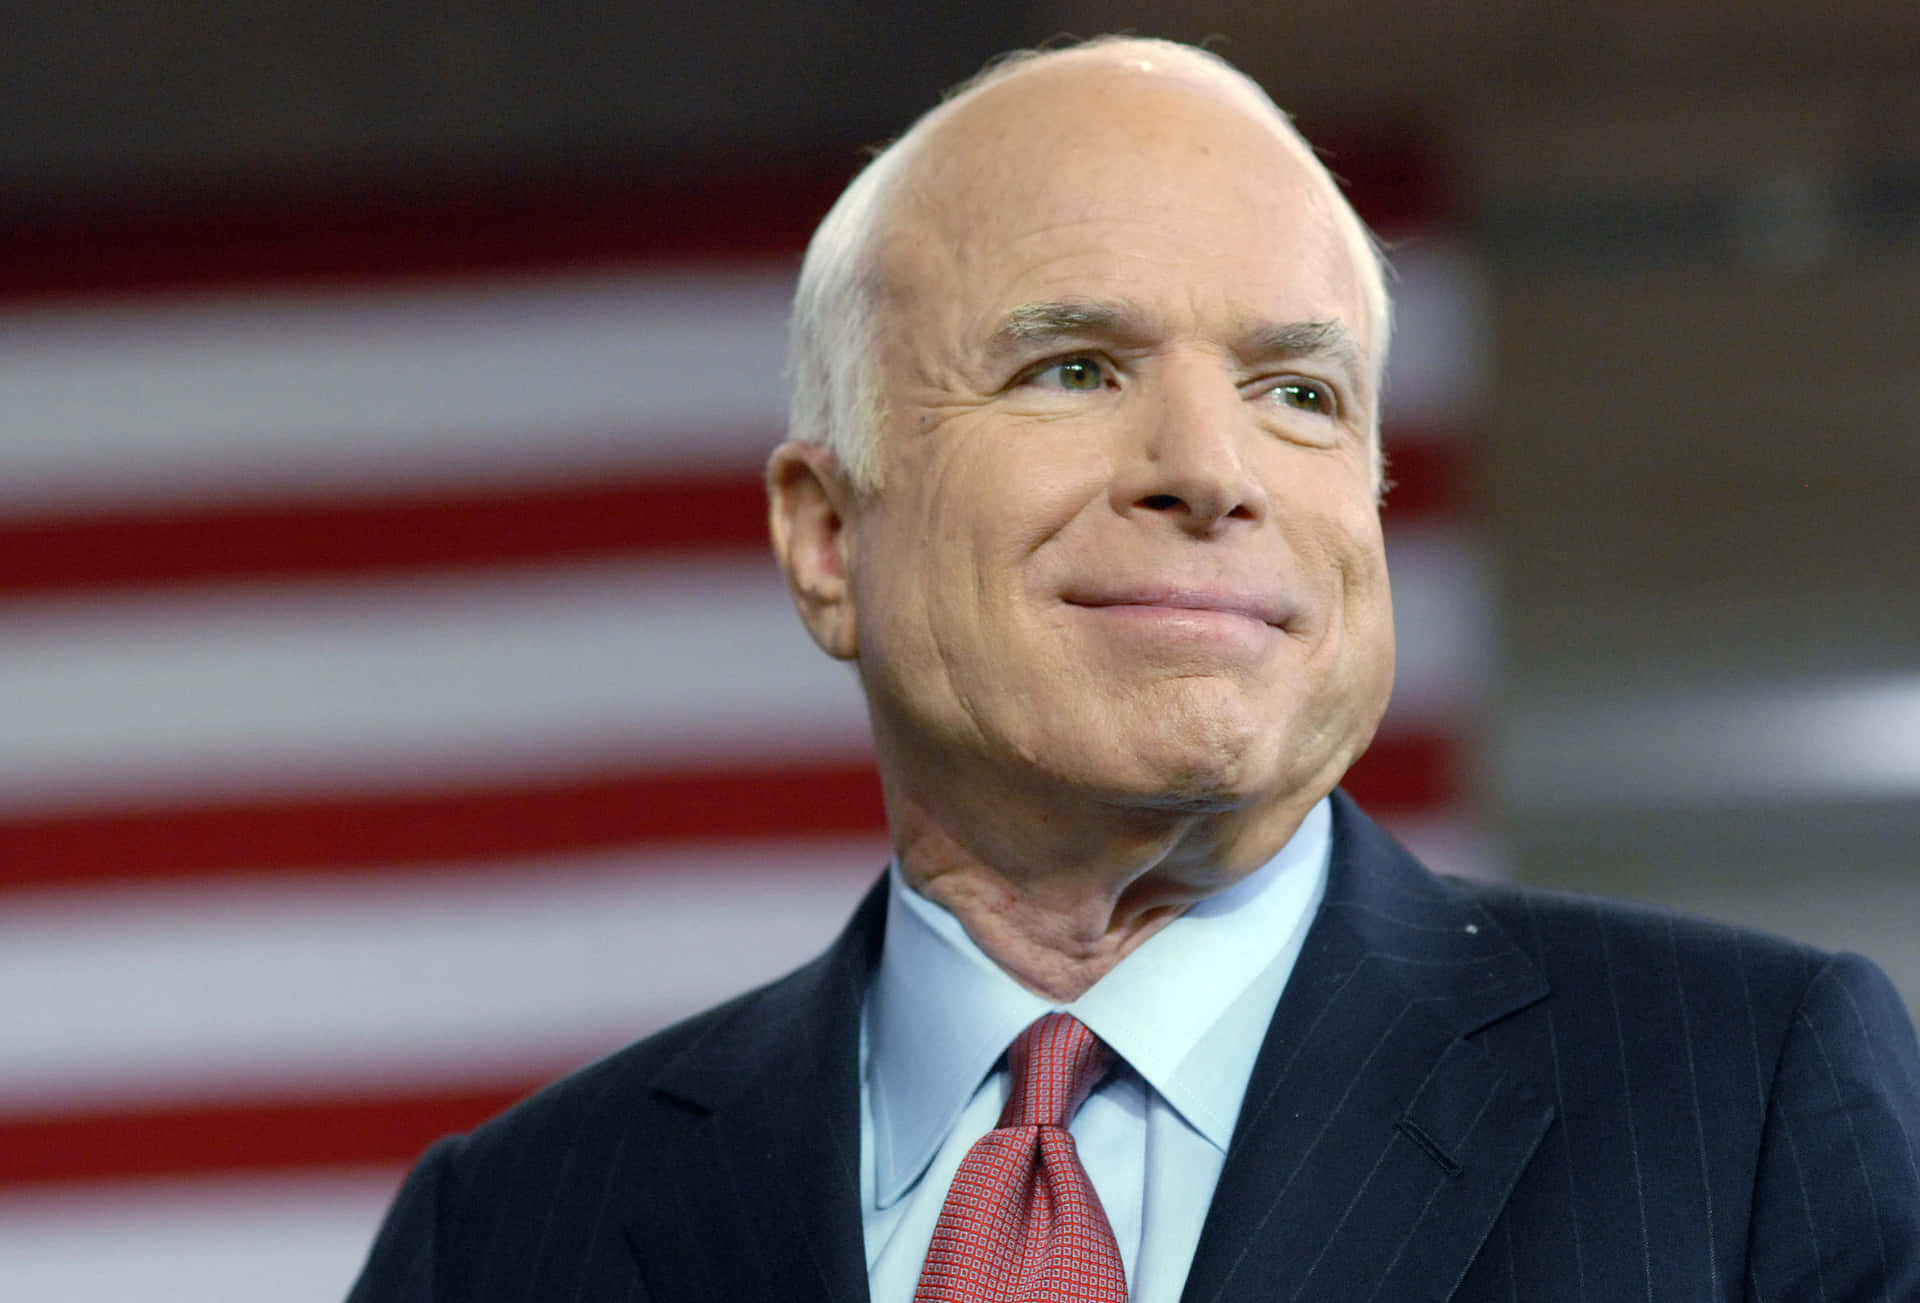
pixel 1083 480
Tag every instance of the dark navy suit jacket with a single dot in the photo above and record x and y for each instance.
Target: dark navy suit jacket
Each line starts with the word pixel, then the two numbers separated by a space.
pixel 1468 1092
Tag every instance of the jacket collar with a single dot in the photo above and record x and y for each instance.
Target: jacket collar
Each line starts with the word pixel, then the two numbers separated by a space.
pixel 1378 1142
pixel 1376 1145
pixel 763 1115
pixel 1186 1011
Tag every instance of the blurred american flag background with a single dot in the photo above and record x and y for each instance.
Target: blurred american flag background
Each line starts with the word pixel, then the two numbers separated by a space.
pixel 399 707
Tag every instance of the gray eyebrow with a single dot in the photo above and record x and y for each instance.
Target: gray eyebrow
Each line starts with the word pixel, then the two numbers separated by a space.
pixel 1040 322
pixel 1303 339
pixel 1031 322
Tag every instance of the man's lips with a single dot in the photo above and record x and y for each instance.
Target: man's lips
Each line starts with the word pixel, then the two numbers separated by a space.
pixel 1176 599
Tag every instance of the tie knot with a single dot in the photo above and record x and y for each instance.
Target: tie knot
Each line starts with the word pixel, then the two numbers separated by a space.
pixel 1056 1063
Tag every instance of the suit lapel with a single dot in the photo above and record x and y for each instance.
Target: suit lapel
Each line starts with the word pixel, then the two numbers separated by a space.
pixel 1377 1143
pixel 764 1120
pixel 1376 1147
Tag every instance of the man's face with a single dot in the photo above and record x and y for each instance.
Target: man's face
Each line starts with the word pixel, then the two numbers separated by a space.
pixel 1127 541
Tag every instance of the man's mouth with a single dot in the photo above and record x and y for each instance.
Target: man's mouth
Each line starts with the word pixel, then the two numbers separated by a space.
pixel 1174 599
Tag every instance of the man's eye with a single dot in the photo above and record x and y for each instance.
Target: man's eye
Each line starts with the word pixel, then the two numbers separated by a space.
pixel 1305 396
pixel 1078 373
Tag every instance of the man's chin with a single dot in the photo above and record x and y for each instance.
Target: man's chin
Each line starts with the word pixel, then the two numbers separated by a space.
pixel 1189 802
pixel 1191 784
pixel 1234 765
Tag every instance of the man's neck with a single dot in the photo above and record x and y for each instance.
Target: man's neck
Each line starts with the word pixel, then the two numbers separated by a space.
pixel 1057 903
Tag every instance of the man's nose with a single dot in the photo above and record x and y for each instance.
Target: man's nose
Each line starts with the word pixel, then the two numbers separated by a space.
pixel 1189 461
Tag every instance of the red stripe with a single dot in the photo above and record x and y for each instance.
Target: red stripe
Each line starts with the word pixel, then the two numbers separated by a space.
pixel 1396 174
pixel 1429 476
pixel 1401 774
pixel 448 227
pixel 337 834
pixel 325 539
pixel 604 518
pixel 1409 774
pixel 330 236
pixel 301 1134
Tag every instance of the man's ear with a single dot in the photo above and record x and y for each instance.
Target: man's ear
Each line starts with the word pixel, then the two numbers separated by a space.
pixel 809 512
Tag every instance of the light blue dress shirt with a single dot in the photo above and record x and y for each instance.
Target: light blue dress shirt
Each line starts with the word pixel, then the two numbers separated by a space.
pixel 1185 1013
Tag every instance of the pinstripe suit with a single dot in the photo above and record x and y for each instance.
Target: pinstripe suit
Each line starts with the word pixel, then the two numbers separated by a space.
pixel 1468 1092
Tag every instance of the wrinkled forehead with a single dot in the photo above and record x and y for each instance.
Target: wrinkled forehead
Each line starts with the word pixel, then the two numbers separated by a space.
pixel 1093 145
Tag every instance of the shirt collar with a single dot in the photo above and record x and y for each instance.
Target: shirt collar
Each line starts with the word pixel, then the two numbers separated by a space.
pixel 1187 1010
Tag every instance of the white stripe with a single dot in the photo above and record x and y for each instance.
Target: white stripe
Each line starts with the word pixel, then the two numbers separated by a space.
pixel 250 989
pixel 1670 749
pixel 291 1240
pixel 1454 843
pixel 371 686
pixel 1444 626
pixel 1436 369
pixel 368 391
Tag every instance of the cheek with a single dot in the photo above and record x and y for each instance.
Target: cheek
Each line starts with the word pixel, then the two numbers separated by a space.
pixel 1325 511
pixel 1361 548
pixel 996 492
pixel 1365 595
pixel 1367 612
pixel 921 580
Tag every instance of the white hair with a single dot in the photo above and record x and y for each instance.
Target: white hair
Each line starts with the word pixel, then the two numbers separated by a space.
pixel 833 334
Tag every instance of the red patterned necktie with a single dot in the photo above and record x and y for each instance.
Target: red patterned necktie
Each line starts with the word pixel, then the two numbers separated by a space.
pixel 1022 1223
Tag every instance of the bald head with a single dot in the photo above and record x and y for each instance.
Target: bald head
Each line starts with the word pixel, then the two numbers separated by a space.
pixel 954 163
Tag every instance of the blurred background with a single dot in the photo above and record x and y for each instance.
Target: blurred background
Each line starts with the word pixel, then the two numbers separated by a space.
pixel 397 707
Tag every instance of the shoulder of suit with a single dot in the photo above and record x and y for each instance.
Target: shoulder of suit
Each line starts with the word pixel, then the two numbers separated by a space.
pixel 606 1097
pixel 1562 929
